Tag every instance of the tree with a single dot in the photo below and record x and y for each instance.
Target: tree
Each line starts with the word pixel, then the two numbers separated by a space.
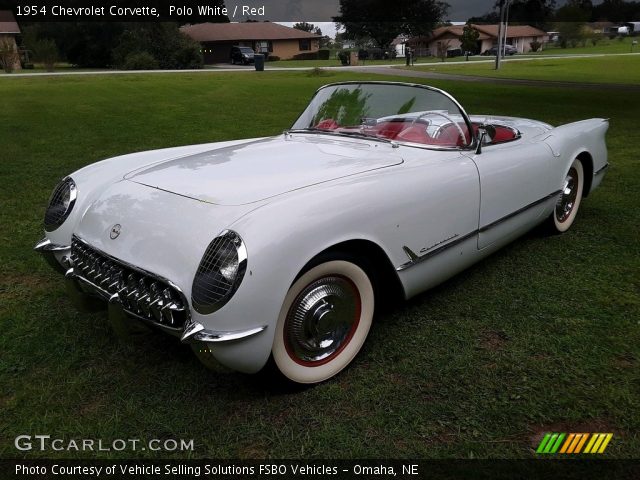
pixel 570 22
pixel 308 27
pixel 383 21
pixel 89 43
pixel 529 12
pixel 46 51
pixel 616 11
pixel 469 40
pixel 538 13
pixel 8 54
pixel 443 49
pixel 487 18
pixel 162 41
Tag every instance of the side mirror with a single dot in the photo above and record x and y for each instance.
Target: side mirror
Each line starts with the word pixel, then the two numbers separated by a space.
pixel 486 134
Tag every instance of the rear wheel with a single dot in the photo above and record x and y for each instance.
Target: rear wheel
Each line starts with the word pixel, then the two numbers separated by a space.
pixel 567 207
pixel 324 321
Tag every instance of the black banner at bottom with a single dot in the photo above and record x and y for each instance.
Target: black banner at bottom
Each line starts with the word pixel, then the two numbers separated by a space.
pixel 319 469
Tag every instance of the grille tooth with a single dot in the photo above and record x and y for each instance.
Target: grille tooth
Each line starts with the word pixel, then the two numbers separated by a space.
pixel 140 293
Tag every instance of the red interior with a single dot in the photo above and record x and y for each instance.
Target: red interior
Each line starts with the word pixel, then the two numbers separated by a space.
pixel 407 131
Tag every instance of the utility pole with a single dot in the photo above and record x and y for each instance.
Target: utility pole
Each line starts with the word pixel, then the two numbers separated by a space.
pixel 506 29
pixel 500 30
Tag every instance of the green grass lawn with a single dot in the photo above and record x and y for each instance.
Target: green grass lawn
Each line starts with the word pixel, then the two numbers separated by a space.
pixel 606 45
pixel 333 62
pixel 615 69
pixel 542 336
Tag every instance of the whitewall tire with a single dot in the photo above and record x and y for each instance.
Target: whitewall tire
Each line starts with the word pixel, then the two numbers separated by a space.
pixel 324 321
pixel 566 209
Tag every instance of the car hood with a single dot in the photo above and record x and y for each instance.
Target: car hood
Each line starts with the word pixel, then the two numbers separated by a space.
pixel 264 168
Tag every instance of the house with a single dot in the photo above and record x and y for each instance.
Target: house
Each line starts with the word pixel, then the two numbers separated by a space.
pixel 519 36
pixel 399 44
pixel 601 27
pixel 276 40
pixel 9 30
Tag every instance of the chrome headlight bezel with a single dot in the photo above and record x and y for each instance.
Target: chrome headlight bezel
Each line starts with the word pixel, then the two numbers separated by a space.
pixel 60 205
pixel 220 273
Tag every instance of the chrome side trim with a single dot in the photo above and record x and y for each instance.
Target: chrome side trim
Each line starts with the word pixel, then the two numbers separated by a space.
pixel 519 211
pixel 195 332
pixel 415 259
pixel 602 170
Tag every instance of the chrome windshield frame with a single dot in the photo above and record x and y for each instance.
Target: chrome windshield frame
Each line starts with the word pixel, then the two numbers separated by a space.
pixel 472 145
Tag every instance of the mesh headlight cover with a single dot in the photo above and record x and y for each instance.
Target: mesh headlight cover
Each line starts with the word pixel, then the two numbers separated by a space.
pixel 60 204
pixel 220 272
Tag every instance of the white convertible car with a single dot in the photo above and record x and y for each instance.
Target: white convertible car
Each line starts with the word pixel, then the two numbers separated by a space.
pixel 283 246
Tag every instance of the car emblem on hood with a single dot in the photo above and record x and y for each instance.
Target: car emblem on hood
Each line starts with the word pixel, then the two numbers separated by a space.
pixel 115 231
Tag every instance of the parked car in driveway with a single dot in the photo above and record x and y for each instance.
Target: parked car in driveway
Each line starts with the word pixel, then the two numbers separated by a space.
pixel 283 247
pixel 508 50
pixel 242 55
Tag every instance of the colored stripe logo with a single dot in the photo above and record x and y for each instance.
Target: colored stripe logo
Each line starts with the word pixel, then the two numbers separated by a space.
pixel 574 443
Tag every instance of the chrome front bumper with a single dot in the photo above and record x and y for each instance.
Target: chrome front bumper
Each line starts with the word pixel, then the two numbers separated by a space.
pixel 95 280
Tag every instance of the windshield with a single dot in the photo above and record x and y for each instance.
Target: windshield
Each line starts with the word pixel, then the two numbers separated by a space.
pixel 401 113
pixel 246 50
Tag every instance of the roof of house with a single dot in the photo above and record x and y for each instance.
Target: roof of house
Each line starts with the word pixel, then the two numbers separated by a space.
pixel 399 40
pixel 216 32
pixel 8 23
pixel 486 32
pixel 455 31
pixel 513 31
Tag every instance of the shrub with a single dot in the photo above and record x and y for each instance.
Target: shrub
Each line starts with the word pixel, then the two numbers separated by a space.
pixel 46 51
pixel 164 42
pixel 376 54
pixel 535 46
pixel 8 55
pixel 306 56
pixel 273 58
pixel 324 54
pixel 140 61
pixel 188 56
pixel 344 57
pixel 317 72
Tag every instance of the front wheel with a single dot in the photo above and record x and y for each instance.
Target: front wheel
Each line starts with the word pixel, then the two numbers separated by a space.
pixel 567 207
pixel 324 321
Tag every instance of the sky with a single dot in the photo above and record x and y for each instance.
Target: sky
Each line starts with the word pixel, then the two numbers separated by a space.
pixel 308 10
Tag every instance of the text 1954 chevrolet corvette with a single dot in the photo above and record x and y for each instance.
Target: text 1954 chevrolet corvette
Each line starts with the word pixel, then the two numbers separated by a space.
pixel 282 246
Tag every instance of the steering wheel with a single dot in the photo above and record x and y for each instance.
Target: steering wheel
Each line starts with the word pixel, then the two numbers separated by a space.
pixel 438 131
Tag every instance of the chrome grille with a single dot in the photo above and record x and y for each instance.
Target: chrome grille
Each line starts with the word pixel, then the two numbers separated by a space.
pixel 141 293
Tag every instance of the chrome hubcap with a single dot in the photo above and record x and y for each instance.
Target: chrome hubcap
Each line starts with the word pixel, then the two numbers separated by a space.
pixel 567 199
pixel 322 320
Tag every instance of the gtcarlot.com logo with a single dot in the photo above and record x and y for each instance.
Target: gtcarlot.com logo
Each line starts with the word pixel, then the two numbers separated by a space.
pixel 574 443
pixel 47 443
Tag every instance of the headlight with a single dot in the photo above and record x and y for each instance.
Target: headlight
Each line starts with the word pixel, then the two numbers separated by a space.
pixel 60 204
pixel 220 272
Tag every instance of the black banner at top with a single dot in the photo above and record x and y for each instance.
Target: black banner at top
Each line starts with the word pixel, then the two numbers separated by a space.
pixel 183 11
pixel 197 11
